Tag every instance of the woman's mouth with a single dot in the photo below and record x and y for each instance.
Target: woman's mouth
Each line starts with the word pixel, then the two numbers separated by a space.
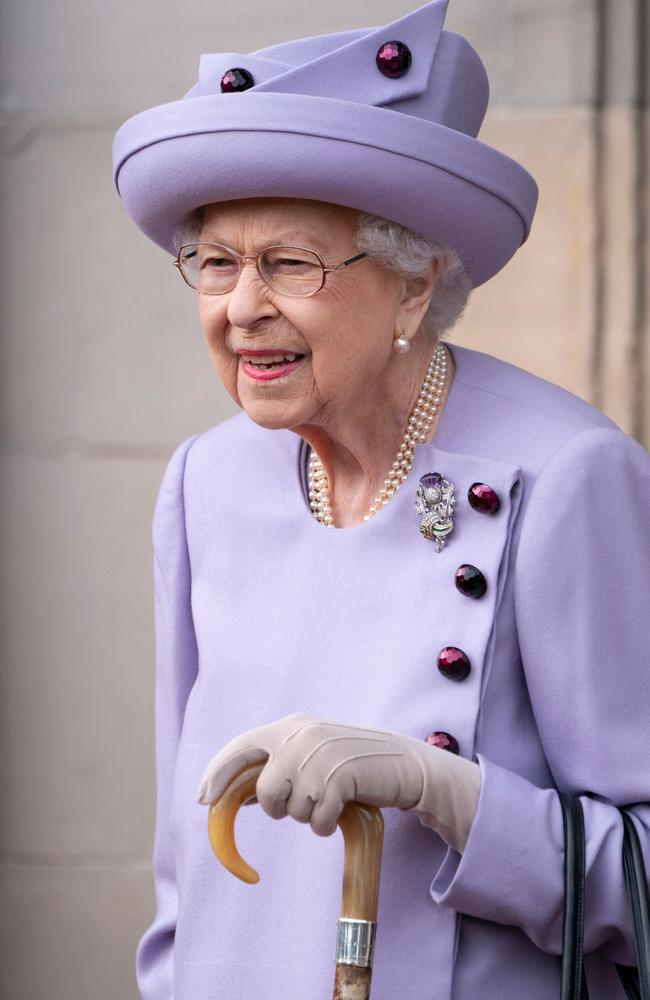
pixel 264 367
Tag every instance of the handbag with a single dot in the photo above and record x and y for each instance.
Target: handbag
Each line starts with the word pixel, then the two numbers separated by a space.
pixel 634 979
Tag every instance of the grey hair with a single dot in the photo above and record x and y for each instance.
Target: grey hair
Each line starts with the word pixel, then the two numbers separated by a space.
pixel 411 255
pixel 188 232
pixel 398 249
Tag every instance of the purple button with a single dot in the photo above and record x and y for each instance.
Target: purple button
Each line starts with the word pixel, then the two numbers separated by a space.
pixel 453 663
pixel 483 498
pixel 443 740
pixel 470 581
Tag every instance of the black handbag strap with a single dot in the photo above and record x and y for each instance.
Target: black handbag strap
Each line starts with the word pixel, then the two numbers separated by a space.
pixel 635 981
pixel 573 981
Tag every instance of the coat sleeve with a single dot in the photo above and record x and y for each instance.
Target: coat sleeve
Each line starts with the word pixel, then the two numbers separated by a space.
pixel 582 606
pixel 175 672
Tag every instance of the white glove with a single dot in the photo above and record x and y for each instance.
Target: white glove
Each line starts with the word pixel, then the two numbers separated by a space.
pixel 315 766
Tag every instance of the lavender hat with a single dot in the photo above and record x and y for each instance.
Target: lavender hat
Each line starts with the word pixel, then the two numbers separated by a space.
pixel 380 119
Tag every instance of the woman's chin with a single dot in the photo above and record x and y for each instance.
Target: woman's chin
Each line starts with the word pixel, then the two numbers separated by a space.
pixel 272 414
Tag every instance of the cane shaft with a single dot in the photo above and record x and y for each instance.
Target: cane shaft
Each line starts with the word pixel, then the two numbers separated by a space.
pixel 351 982
pixel 363 834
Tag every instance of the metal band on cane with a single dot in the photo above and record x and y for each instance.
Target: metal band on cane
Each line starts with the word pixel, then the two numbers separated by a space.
pixel 355 942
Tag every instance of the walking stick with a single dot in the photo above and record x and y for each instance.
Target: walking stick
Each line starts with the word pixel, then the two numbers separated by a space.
pixel 363 834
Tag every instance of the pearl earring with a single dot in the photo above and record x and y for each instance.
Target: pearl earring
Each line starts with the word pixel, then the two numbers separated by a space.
pixel 401 344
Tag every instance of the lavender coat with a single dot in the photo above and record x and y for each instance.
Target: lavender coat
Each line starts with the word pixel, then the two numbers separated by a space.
pixel 261 611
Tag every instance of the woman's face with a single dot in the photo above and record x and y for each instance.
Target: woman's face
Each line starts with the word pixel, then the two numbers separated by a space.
pixel 345 331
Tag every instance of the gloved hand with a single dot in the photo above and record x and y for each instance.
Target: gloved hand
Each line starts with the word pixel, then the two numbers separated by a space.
pixel 316 766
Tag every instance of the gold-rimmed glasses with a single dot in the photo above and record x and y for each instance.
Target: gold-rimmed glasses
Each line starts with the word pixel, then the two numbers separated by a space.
pixel 214 268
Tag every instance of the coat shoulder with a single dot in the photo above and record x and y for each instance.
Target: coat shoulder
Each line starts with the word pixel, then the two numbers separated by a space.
pixel 536 399
pixel 510 412
pixel 237 450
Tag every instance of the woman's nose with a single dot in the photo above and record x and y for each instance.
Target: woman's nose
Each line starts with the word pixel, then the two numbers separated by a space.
pixel 249 299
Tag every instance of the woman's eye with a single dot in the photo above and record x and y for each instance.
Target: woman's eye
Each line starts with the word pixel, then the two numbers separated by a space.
pixel 216 262
pixel 293 264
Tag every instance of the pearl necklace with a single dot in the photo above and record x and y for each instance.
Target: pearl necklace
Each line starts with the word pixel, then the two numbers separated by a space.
pixel 417 430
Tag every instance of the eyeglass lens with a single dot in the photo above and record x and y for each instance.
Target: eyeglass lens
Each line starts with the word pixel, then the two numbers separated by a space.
pixel 212 269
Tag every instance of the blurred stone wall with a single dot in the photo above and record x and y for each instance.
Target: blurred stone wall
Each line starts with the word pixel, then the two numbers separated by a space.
pixel 104 372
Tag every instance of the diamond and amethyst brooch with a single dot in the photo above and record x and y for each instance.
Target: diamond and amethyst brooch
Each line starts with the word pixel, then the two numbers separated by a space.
pixel 434 502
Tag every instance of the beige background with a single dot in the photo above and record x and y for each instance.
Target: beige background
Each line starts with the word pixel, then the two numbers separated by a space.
pixel 104 372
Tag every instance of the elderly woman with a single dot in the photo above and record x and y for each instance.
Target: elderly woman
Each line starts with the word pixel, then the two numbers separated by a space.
pixel 407 574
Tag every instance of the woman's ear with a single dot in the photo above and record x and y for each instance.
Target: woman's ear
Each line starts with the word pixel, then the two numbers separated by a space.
pixel 416 295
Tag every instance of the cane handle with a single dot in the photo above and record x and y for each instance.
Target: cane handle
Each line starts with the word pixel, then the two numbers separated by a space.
pixel 363 832
pixel 221 821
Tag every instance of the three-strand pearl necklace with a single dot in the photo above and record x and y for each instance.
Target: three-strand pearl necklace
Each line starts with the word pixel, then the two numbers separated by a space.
pixel 417 430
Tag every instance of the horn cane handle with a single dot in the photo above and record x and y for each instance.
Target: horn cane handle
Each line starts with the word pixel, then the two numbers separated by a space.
pixel 363 834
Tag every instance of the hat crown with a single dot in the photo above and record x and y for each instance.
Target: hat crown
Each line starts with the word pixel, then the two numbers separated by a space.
pixel 384 120
pixel 446 82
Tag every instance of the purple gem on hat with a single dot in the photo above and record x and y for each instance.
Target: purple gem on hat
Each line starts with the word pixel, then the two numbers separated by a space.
pixel 394 59
pixel 235 80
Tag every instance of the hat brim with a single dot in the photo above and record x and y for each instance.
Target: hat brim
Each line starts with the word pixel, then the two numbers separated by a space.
pixel 451 187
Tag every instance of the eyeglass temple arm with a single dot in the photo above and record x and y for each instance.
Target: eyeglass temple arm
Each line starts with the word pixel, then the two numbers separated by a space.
pixel 187 257
pixel 345 263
